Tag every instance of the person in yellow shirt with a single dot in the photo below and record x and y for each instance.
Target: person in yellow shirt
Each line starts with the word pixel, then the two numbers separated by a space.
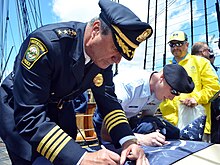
pixel 205 80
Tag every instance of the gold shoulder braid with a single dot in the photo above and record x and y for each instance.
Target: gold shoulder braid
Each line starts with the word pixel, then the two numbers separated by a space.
pixel 98 80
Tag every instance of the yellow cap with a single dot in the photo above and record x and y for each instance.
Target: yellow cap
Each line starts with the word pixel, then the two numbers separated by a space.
pixel 178 36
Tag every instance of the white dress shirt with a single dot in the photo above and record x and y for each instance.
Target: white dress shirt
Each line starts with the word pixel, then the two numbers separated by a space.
pixel 133 92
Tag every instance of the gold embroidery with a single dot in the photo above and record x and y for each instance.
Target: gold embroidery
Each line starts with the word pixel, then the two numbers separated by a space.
pixel 51 145
pixel 65 31
pixel 61 146
pixel 114 118
pixel 43 141
pixel 124 48
pixel 129 42
pixel 69 32
pixel 144 35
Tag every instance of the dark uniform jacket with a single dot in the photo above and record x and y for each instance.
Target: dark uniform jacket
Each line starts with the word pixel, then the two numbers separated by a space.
pixel 49 72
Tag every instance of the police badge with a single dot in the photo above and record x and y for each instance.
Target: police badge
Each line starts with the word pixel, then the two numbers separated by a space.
pixel 98 80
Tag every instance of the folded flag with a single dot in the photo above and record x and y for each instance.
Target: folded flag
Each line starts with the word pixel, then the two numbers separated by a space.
pixel 194 131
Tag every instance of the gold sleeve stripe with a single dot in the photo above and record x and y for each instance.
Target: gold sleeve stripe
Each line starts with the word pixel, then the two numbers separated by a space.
pixel 113 114
pixel 129 42
pixel 118 118
pixel 56 144
pixel 113 125
pixel 114 118
pixel 52 140
pixel 53 143
pixel 60 148
pixel 42 142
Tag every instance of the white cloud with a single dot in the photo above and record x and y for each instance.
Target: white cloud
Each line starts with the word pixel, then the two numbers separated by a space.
pixel 178 18
pixel 82 10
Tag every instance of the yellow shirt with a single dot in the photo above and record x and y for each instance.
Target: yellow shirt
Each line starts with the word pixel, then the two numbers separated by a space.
pixel 206 85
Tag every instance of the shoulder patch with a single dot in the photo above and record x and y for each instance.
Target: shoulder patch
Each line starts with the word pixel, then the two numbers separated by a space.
pixel 65 32
pixel 35 50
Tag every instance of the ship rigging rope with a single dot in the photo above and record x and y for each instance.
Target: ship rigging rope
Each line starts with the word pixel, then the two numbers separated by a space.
pixel 24 21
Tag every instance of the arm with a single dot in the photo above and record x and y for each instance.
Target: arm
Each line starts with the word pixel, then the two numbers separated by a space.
pixel 115 120
pixel 206 82
pixel 151 139
pixel 111 110
pixel 32 87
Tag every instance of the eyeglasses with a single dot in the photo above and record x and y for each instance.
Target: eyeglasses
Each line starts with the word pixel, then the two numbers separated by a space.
pixel 177 44
pixel 174 92
pixel 209 50
pixel 211 56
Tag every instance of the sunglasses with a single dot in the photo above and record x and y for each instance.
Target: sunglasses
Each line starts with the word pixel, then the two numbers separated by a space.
pixel 174 92
pixel 177 44
pixel 211 56
pixel 209 50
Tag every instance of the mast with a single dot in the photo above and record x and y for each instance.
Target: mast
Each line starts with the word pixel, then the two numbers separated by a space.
pixel 165 36
pixel 218 19
pixel 1 35
pixel 148 15
pixel 155 35
pixel 25 27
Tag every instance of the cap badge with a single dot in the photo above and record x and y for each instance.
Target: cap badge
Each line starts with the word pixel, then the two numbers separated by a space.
pixel 144 35
pixel 98 80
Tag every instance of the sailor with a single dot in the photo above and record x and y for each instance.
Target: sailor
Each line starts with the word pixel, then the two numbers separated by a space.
pixel 143 92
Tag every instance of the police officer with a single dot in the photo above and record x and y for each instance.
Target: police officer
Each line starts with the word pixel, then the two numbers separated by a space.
pixel 55 64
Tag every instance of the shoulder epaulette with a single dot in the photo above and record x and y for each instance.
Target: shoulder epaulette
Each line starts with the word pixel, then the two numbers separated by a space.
pixel 65 32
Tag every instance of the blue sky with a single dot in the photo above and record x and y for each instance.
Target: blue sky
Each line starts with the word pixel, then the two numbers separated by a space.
pixel 53 11
pixel 13 36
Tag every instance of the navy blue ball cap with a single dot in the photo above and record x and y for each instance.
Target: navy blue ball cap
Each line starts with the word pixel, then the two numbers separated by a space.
pixel 178 79
pixel 128 30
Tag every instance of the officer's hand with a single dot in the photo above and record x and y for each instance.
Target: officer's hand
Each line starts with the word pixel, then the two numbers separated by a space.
pixel 103 156
pixel 152 139
pixel 133 151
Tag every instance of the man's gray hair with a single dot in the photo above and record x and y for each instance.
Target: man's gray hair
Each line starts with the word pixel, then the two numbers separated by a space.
pixel 196 48
pixel 105 30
